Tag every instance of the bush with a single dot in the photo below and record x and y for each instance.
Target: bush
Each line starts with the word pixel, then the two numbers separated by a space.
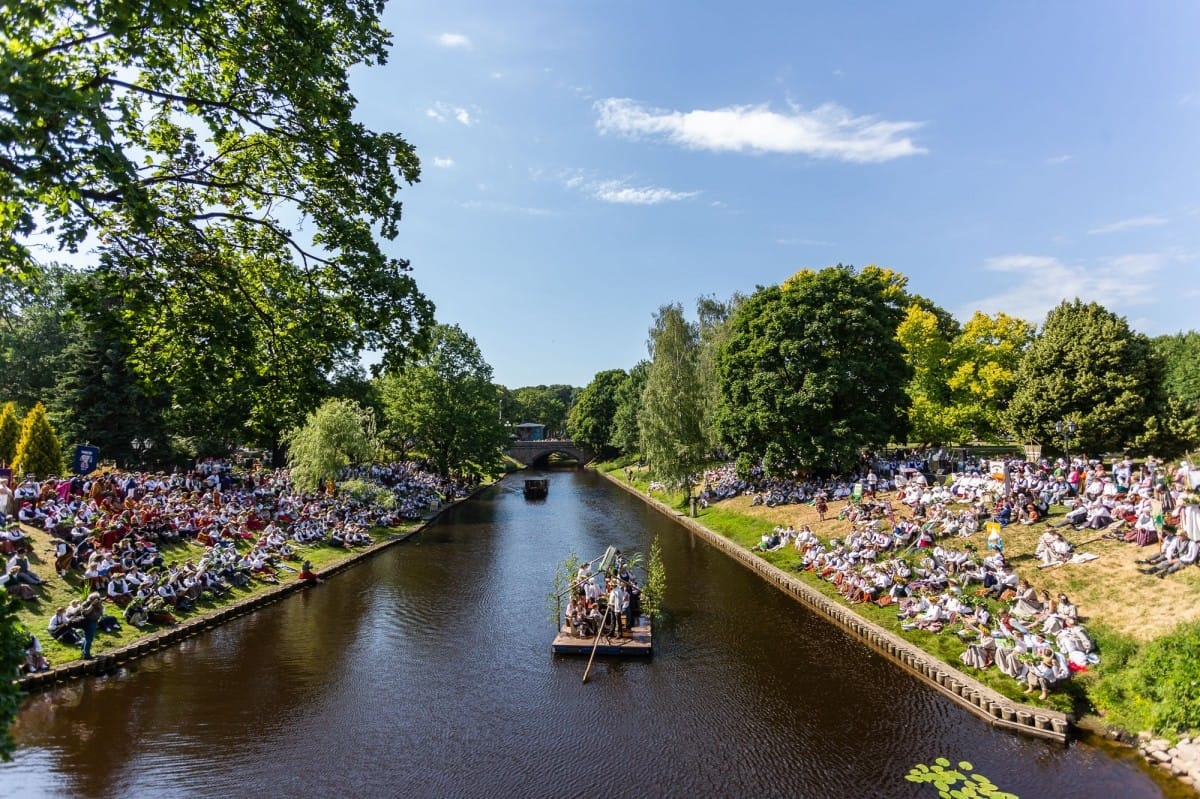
pixel 1159 686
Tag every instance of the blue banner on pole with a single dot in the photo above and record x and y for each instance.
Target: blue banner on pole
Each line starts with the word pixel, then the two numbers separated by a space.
pixel 87 458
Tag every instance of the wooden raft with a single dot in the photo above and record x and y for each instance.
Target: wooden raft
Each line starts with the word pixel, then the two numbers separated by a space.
pixel 637 644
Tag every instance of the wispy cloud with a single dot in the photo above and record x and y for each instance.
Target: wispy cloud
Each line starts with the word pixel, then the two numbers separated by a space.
pixel 790 242
pixel 1034 284
pixel 443 163
pixel 454 40
pixel 1055 160
pixel 623 191
pixel 616 191
pixel 443 111
pixel 1129 224
pixel 508 208
pixel 828 131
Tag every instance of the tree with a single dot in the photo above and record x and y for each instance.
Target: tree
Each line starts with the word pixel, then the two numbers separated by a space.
pixel 626 431
pixel 38 450
pixel 338 434
pixel 445 404
pixel 590 422
pixel 10 432
pixel 1086 366
pixel 926 349
pixel 13 638
pixel 715 329
pixel 1181 356
pixel 672 435
pixel 985 358
pixel 540 404
pixel 182 136
pixel 813 372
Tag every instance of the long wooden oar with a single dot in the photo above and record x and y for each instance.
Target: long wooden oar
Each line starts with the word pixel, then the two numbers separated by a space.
pixel 596 644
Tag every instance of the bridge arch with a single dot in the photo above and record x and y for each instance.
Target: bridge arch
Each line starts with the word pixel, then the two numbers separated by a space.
pixel 532 453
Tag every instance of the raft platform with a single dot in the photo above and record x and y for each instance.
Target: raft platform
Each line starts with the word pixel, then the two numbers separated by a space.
pixel 638 644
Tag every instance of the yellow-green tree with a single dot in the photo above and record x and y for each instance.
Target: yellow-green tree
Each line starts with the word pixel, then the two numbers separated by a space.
pixel 38 450
pixel 10 432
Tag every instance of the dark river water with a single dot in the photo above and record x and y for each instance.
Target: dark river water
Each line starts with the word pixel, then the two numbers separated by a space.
pixel 427 672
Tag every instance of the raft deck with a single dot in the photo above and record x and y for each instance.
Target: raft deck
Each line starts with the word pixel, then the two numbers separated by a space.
pixel 637 644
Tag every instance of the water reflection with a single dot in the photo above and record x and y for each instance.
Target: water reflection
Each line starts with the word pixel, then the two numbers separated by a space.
pixel 427 672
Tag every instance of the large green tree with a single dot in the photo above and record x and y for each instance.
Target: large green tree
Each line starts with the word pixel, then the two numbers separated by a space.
pixel 813 373
pixel 715 325
pixel 540 404
pixel 672 412
pixel 445 405
pixel 1087 366
pixel 590 422
pixel 208 155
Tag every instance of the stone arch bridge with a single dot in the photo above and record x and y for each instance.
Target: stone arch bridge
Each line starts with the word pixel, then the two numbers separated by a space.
pixel 537 453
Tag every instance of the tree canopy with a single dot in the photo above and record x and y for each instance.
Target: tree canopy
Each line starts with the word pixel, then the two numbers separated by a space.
pixel 340 433
pixel 590 422
pixel 446 406
pixel 812 372
pixel 207 155
pixel 1086 366
pixel 672 412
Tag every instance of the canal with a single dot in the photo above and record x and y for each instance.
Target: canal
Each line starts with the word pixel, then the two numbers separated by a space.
pixel 426 672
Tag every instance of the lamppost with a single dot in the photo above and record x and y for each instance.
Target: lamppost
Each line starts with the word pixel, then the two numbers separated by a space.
pixel 1067 430
pixel 140 447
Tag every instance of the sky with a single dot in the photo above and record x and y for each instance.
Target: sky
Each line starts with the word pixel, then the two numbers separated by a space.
pixel 584 163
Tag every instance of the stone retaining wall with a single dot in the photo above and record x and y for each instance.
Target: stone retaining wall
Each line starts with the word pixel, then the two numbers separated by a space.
pixel 110 660
pixel 996 709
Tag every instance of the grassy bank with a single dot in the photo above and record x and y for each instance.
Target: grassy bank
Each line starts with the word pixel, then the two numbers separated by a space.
pixel 1131 616
pixel 58 591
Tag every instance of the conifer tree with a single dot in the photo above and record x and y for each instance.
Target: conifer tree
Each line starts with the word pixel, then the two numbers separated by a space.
pixel 10 432
pixel 38 451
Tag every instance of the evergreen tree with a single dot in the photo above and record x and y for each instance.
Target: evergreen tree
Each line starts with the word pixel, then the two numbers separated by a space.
pixel 10 433
pixel 38 450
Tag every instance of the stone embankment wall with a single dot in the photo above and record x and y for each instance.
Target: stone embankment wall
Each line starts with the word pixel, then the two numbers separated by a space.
pixel 109 661
pixel 996 709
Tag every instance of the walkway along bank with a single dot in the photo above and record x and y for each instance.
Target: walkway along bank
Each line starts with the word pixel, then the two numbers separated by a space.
pixel 995 708
pixel 109 661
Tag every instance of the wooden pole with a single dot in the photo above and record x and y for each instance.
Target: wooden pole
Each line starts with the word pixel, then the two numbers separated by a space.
pixel 596 644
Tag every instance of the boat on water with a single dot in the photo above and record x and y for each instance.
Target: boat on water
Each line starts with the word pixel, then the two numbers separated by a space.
pixel 593 624
pixel 537 487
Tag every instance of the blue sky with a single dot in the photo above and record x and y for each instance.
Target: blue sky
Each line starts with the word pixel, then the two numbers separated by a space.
pixel 585 162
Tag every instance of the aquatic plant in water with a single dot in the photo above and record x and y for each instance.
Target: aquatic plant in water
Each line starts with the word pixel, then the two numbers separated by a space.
pixel 956 783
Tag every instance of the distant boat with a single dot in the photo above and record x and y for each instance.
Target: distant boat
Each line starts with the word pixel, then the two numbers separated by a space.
pixel 537 487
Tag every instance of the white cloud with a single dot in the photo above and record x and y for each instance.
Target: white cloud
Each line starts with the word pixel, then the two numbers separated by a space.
pixel 620 191
pixel 1055 160
pixel 508 208
pixel 616 191
pixel 454 40
pixel 828 131
pixel 1129 224
pixel 443 111
pixel 790 242
pixel 444 163
pixel 1034 284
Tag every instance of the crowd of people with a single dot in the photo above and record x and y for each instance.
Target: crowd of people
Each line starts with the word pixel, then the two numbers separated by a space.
pixel 605 601
pixel 120 534
pixel 900 551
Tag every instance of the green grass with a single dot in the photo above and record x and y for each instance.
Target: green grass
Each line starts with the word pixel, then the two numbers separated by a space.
pixel 58 591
